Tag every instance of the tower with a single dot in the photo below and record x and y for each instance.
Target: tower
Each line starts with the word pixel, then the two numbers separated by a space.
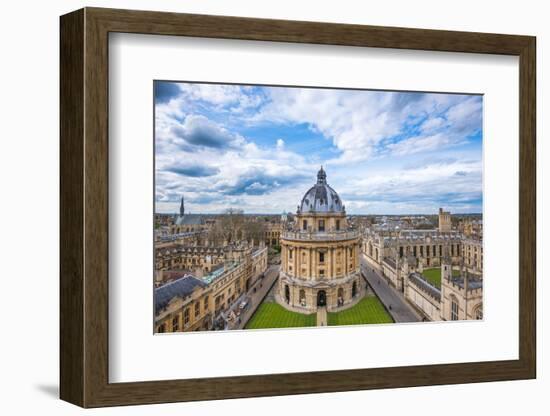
pixel 444 221
pixel 446 268
pixel 182 207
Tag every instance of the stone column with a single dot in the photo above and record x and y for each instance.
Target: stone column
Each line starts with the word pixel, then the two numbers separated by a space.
pixel 329 268
pixel 345 260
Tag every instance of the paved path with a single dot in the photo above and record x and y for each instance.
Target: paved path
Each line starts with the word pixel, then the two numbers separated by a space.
pixel 322 316
pixel 262 287
pixel 394 301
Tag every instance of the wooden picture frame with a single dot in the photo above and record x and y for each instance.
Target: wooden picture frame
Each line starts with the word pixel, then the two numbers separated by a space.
pixel 84 207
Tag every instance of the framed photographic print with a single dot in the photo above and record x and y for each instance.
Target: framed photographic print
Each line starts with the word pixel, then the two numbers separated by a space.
pixel 255 207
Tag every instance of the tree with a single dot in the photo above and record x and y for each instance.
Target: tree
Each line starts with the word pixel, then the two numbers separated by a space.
pixel 234 226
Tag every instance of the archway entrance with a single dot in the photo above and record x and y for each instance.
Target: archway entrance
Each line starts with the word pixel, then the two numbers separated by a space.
pixel 321 298
pixel 354 289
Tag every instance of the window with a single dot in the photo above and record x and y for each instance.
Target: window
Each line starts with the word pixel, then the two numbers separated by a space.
pixel 440 251
pixel 186 316
pixel 321 273
pixel 206 303
pixel 337 225
pixel 175 324
pixel 421 251
pixel 414 251
pixel 161 329
pixel 479 313
pixel 321 257
pixel 454 309
pixel 321 225
pixel 401 251
pixel 351 252
pixel 304 225
pixel 302 297
pixel 197 309
pixel 290 254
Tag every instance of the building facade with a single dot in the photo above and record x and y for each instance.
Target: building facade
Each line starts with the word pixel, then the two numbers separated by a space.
pixel 402 256
pixel 193 303
pixel 320 264
pixel 386 251
pixel 273 234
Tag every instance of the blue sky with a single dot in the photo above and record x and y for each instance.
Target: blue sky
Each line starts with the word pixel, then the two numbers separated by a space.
pixel 259 148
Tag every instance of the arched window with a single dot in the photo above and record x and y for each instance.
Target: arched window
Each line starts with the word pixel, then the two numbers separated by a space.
pixel 175 324
pixel 454 309
pixel 303 297
pixel 478 312
pixel 340 296
pixel 161 329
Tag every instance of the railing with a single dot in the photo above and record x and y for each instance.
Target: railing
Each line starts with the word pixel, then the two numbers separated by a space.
pixel 320 235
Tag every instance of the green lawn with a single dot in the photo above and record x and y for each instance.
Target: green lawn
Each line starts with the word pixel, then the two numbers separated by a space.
pixel 273 315
pixel 434 275
pixel 369 310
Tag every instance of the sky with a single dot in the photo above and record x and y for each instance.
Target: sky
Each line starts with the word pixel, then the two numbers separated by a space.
pixel 258 148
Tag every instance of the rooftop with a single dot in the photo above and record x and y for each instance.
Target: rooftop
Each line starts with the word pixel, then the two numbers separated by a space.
pixel 181 287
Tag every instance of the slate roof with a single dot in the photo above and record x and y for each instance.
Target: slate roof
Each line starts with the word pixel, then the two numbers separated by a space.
pixel 473 283
pixel 390 262
pixel 182 288
pixel 190 219
pixel 425 286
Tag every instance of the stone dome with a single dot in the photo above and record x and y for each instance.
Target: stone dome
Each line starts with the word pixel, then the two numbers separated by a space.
pixel 321 197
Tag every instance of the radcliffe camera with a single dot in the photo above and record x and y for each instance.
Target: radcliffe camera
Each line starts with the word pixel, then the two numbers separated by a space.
pixel 291 207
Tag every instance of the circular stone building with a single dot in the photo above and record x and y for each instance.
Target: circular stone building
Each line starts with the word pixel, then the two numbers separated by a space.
pixel 320 255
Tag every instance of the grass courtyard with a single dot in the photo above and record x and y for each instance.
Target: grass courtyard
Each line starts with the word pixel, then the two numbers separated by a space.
pixel 368 310
pixel 273 315
pixel 434 275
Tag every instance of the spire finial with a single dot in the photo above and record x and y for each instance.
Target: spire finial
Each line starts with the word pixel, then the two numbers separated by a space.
pixel 182 207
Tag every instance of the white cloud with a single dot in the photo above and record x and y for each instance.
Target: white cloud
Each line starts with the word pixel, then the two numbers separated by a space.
pixel 216 167
pixel 360 123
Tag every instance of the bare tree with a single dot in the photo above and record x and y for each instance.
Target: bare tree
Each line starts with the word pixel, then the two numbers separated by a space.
pixel 234 226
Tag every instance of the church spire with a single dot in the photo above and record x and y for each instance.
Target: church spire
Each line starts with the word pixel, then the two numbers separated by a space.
pixel 182 208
